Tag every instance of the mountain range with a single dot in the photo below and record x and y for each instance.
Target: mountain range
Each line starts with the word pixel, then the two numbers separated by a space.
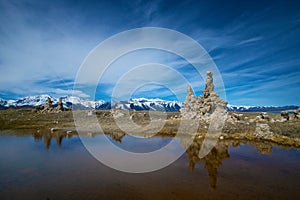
pixel 132 104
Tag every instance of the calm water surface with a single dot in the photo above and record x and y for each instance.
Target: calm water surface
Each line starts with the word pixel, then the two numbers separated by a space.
pixel 61 168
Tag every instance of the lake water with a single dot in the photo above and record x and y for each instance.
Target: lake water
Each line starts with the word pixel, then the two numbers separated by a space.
pixel 61 168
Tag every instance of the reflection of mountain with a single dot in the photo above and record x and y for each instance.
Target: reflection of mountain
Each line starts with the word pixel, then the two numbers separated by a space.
pixel 213 160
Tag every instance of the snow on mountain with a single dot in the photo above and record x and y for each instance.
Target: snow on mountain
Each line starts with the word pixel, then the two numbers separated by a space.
pixel 259 108
pixel 30 101
pixel 70 101
pixel 2 103
pixel 230 107
pixel 148 104
pixel 132 104
pixel 79 103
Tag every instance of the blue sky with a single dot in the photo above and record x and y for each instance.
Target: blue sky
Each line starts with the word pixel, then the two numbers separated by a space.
pixel 254 45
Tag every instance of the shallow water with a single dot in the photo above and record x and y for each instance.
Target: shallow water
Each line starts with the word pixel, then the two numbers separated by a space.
pixel 61 168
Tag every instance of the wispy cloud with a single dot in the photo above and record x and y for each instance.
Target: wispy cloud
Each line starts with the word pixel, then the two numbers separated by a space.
pixel 250 41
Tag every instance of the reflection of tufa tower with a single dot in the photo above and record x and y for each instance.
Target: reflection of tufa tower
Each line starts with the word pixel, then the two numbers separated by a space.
pixel 58 136
pixel 117 136
pixel 47 140
pixel 212 161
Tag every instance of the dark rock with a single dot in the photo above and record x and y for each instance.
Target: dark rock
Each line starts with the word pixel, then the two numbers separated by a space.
pixel 297 114
pixel 285 115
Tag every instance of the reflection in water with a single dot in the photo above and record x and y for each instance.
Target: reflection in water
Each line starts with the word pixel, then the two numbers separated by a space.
pixel 117 136
pixel 29 171
pixel 59 135
pixel 47 136
pixel 212 161
pixel 262 147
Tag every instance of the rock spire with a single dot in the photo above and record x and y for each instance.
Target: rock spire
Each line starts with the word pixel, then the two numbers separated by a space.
pixel 202 107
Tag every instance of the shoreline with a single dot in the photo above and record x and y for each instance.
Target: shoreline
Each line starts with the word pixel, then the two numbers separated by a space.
pixel 26 122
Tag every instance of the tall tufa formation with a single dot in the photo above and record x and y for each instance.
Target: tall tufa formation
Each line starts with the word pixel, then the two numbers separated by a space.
pixel 48 107
pixel 209 87
pixel 60 106
pixel 191 105
pixel 203 107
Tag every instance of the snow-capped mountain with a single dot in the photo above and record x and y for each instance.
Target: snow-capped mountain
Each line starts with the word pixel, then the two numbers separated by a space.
pixel 78 103
pixel 148 104
pixel 259 108
pixel 2 103
pixel 40 100
pixel 132 104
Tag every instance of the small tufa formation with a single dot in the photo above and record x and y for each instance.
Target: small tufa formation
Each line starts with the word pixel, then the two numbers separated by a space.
pixel 263 131
pixel 263 118
pixel 297 114
pixel 117 112
pixel 235 118
pixel 203 107
pixel 264 115
pixel 284 116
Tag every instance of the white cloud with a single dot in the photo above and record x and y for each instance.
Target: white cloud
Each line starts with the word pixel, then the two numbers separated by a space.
pixel 77 93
